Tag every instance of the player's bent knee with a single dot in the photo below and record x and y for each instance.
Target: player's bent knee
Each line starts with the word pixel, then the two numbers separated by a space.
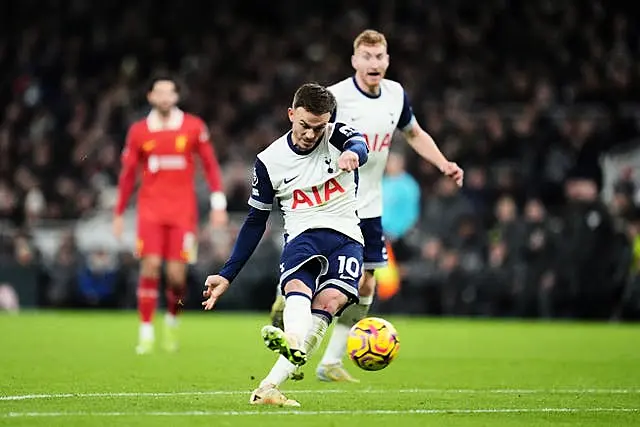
pixel 150 266
pixel 367 284
pixel 330 300
pixel 297 286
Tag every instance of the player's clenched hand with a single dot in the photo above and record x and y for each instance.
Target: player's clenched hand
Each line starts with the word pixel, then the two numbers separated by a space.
pixel 118 226
pixel 215 286
pixel 348 161
pixel 455 172
pixel 219 218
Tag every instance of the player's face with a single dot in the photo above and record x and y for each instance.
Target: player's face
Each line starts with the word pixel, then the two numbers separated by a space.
pixel 163 96
pixel 371 63
pixel 307 128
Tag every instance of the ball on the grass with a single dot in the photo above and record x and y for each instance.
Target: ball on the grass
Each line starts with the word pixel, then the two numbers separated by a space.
pixel 373 343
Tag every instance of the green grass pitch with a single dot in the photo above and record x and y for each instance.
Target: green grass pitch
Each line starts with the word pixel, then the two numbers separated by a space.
pixel 79 369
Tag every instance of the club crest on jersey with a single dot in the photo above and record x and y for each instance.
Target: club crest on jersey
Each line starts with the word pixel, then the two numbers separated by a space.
pixel 319 194
pixel 181 143
pixel 327 161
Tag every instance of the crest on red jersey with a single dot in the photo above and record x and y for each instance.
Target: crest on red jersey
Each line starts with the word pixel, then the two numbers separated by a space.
pixel 181 143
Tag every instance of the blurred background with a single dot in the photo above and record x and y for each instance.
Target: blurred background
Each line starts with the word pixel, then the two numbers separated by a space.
pixel 539 102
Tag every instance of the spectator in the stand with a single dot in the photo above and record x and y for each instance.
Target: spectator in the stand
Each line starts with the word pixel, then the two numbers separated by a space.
pixel 67 261
pixel 537 253
pixel 495 284
pixel 444 208
pixel 98 281
pixel 622 204
pixel 587 255
pixel 421 278
pixel 235 185
pixel 507 227
pixel 477 191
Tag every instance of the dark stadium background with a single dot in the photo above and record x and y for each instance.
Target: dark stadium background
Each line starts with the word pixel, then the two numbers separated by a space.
pixel 539 102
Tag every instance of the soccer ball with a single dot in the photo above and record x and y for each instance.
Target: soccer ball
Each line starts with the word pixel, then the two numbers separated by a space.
pixel 373 343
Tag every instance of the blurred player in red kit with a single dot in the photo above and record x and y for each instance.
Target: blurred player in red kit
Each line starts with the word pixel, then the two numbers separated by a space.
pixel 164 146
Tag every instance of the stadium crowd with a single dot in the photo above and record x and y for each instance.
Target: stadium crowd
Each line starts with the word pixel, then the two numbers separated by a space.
pixel 526 96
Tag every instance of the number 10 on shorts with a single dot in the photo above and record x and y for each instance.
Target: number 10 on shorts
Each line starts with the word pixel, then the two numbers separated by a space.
pixel 350 266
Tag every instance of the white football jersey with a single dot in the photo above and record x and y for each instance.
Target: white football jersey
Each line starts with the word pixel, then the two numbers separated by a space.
pixel 310 189
pixel 376 117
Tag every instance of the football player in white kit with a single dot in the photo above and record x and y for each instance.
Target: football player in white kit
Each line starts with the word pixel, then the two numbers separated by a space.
pixel 376 106
pixel 312 172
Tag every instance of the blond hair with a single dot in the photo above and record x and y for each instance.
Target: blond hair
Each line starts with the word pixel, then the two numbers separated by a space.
pixel 369 38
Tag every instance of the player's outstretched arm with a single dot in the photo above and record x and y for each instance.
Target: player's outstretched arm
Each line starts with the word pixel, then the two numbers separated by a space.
pixel 248 238
pixel 424 145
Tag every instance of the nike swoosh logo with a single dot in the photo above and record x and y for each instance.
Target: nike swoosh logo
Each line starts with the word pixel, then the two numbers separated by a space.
pixel 288 180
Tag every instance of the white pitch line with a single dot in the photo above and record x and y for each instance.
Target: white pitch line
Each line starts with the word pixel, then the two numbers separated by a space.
pixel 324 391
pixel 298 412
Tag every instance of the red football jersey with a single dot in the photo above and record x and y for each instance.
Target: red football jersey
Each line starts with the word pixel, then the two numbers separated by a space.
pixel 166 154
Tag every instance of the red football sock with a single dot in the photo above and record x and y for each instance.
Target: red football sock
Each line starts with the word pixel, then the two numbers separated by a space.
pixel 175 299
pixel 147 298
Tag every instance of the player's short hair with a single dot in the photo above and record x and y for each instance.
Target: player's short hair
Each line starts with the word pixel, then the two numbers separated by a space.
pixel 369 38
pixel 162 78
pixel 314 98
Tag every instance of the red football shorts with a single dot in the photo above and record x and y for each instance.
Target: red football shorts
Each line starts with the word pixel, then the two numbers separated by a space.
pixel 170 242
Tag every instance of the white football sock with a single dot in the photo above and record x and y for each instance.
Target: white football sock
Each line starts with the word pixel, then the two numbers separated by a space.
pixel 297 317
pixel 146 331
pixel 279 373
pixel 337 347
pixel 316 333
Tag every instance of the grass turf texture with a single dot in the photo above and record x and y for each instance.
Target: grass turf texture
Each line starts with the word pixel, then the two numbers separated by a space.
pixel 448 372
